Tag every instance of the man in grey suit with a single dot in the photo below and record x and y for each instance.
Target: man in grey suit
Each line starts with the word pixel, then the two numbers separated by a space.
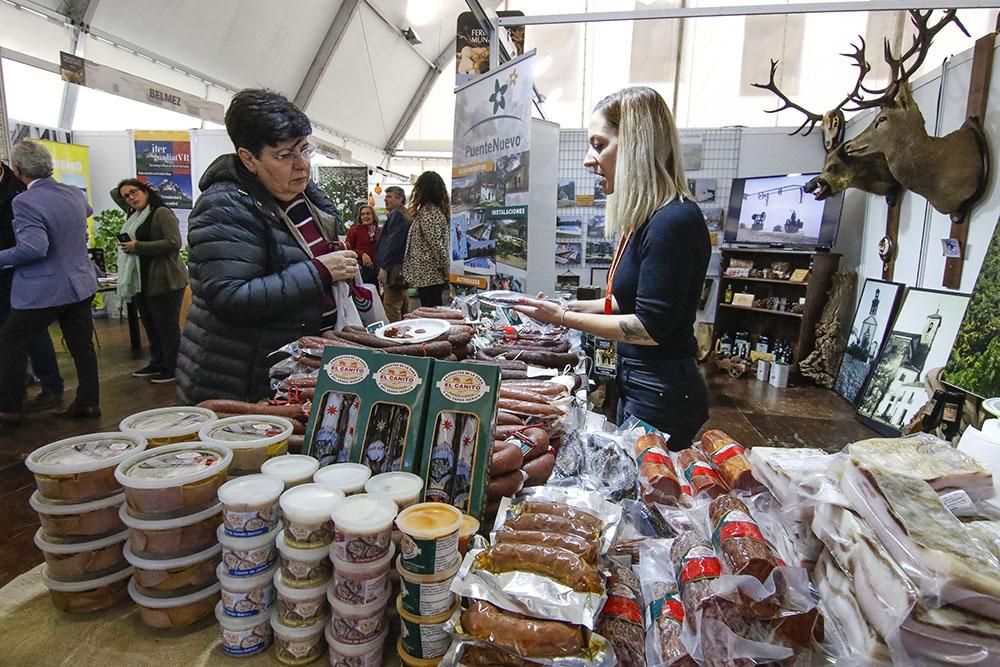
pixel 54 280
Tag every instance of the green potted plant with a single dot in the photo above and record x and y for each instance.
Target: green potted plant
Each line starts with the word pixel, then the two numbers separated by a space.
pixel 107 225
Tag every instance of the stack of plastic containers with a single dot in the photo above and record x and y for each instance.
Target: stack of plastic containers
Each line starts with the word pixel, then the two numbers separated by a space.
pixel 362 553
pixel 254 439
pixel 167 426
pixel 81 534
pixel 171 504
pixel 304 573
pixel 250 526
pixel 429 559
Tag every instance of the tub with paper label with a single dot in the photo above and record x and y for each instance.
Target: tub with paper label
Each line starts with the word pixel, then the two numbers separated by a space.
pixel 254 439
pixel 248 556
pixel 363 528
pixel 81 469
pixel 361 583
pixel 165 426
pixel 292 469
pixel 250 504
pixel 89 594
pixel 174 612
pixel 170 538
pixel 76 561
pixel 247 596
pixel 300 607
pixel 426 595
pixel 173 480
pixel 403 488
pixel 175 576
pixel 242 636
pixel 410 661
pixel 347 477
pixel 306 509
pixel 78 520
pixel 303 568
pixel 355 655
pixel 357 624
pixel 424 637
pixel 297 645
pixel 430 537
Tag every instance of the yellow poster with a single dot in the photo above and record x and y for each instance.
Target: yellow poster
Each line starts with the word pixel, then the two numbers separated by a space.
pixel 71 165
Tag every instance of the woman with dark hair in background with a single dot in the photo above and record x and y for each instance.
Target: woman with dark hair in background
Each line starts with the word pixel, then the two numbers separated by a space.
pixel 363 239
pixel 151 273
pixel 426 263
pixel 264 253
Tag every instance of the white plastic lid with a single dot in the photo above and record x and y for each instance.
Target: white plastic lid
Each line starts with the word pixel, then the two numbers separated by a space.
pixel 341 608
pixel 300 555
pixel 298 594
pixel 395 485
pixel 409 520
pixel 84 453
pixel 299 634
pixel 237 623
pixel 173 465
pixel 247 543
pixel 470 525
pixel 167 422
pixel 364 513
pixel 242 584
pixel 168 524
pixel 374 567
pixel 347 477
pixel 354 650
pixel 251 490
pixel 85 585
pixel 290 467
pixel 310 503
pixel 67 548
pixel 170 563
pixel 44 505
pixel 170 603
pixel 246 431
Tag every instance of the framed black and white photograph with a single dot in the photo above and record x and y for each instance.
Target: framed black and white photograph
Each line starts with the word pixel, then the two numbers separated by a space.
pixel 569 254
pixel 920 340
pixel 600 252
pixel 872 319
pixel 569 225
pixel 567 282
pixel 595 227
pixel 566 192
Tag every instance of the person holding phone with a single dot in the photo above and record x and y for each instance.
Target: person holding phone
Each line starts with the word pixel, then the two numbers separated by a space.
pixel 151 273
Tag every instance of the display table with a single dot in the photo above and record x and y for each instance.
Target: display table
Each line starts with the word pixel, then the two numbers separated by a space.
pixel 33 633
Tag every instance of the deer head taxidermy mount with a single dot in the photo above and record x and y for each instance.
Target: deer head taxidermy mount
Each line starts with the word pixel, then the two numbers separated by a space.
pixel 895 150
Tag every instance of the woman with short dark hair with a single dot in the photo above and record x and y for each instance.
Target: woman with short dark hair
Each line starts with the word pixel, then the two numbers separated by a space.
pixel 151 273
pixel 264 253
pixel 426 263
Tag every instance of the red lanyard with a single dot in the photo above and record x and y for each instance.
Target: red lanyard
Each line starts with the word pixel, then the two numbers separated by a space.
pixel 619 251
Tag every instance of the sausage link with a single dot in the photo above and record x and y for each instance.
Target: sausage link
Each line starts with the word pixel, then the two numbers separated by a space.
pixel 540 469
pixel 506 458
pixel 505 486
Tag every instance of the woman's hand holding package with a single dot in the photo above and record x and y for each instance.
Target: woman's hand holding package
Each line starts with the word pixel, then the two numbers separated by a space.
pixel 342 264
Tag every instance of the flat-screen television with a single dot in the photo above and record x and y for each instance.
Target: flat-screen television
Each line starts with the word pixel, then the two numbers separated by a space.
pixel 777 211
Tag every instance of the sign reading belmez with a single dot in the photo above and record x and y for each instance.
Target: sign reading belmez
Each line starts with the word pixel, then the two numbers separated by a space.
pixel 489 230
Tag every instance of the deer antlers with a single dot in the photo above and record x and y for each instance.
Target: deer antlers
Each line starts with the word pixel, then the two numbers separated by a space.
pixel 901 69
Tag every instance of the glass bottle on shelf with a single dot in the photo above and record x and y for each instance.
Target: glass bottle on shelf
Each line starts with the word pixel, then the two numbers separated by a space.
pixel 728 297
pixel 763 344
pixel 725 345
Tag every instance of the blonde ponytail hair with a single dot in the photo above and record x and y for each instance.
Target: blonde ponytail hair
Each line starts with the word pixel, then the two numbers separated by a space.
pixel 649 171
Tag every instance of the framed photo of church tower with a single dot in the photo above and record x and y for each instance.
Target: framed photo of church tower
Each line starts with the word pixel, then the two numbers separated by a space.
pixel 876 310
pixel 920 341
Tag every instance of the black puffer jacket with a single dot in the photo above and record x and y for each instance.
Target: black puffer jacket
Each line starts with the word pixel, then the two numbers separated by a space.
pixel 254 287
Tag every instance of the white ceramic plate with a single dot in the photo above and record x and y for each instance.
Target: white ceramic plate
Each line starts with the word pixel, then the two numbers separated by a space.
pixel 406 332
pixel 992 406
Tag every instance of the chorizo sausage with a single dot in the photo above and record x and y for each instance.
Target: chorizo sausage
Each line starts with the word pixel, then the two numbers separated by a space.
pixel 540 469
pixel 505 364
pixel 738 538
pixel 563 510
pixel 700 473
pixel 291 411
pixel 553 524
pixel 438 349
pixel 506 458
pixel 362 337
pixel 505 418
pixel 505 486
pixel 728 458
pixel 513 375
pixel 295 443
pixel 549 389
pixel 527 637
pixel 525 395
pixel 530 440
pixel 656 470
pixel 561 346
pixel 588 550
pixel 527 408
pixel 563 566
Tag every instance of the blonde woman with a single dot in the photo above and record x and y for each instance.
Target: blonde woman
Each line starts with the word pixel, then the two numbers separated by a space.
pixel 658 270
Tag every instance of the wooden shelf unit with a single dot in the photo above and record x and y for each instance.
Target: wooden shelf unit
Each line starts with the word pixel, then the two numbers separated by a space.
pixel 798 329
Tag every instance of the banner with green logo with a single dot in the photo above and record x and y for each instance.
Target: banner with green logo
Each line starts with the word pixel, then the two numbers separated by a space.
pixel 489 239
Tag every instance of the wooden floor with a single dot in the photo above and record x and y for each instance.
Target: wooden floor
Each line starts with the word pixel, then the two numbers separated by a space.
pixel 752 412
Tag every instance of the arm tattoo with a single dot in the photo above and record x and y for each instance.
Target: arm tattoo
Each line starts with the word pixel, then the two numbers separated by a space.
pixel 633 329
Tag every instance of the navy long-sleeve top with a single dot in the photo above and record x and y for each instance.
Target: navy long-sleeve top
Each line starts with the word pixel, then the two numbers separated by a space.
pixel 659 279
